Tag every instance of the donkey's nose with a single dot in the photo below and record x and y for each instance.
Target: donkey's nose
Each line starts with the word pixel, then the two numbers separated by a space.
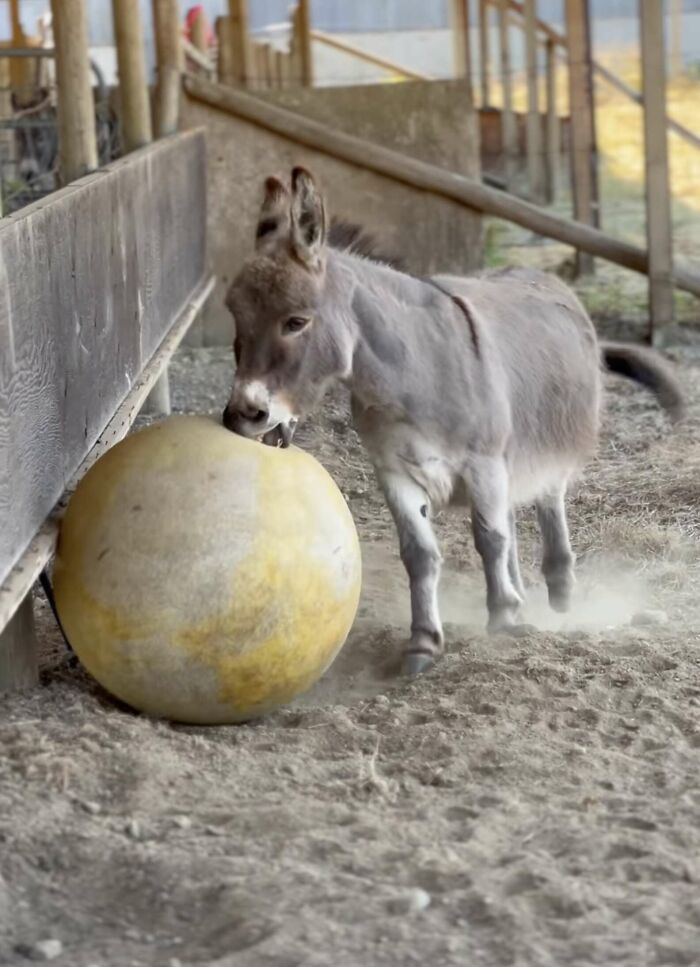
pixel 252 412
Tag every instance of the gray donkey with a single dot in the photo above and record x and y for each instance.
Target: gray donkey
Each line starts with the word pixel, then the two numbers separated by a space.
pixel 482 391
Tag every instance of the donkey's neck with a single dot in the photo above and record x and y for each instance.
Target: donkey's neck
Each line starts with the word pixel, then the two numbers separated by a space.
pixel 399 325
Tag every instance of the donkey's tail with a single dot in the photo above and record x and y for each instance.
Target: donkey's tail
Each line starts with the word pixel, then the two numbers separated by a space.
pixel 651 370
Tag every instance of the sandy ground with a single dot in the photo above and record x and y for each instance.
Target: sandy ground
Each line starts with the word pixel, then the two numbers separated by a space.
pixel 530 802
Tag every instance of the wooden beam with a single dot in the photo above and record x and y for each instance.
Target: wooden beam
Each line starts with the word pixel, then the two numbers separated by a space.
pixel 553 136
pixel 133 84
pixel 388 65
pixel 241 50
pixel 168 42
pixel 426 177
pixel 509 131
pixel 658 189
pixel 77 143
pixel 534 147
pixel 302 38
pixel 484 53
pixel 583 148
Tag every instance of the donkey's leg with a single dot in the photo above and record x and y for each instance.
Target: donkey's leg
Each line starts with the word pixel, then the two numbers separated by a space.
pixel 410 509
pixel 513 560
pixel 557 556
pixel 491 523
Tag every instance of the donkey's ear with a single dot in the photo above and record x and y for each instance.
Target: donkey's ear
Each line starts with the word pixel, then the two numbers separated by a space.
pixel 308 219
pixel 273 221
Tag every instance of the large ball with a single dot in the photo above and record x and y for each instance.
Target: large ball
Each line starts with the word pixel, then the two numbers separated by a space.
pixel 203 577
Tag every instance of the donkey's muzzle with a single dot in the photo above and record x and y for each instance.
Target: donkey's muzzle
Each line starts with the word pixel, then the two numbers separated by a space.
pixel 246 418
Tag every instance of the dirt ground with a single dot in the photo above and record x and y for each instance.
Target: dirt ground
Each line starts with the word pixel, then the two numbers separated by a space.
pixel 528 802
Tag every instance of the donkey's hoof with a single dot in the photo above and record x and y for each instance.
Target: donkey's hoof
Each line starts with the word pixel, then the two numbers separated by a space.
pixel 416 662
pixel 520 630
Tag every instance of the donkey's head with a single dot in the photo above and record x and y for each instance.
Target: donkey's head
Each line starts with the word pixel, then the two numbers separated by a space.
pixel 290 339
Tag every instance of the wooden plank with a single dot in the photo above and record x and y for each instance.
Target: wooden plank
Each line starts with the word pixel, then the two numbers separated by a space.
pixel 509 131
pixel 133 83
pixel 399 167
pixel 553 135
pixel 77 143
pixel 169 61
pixel 534 146
pixel 583 149
pixel 91 278
pixel 18 650
pixel 18 583
pixel 484 53
pixel 658 189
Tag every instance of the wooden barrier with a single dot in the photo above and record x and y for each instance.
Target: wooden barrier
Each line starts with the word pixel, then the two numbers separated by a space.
pixel 100 281
pixel 460 189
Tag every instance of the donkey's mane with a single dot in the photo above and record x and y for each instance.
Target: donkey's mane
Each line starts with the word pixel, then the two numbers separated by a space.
pixel 347 236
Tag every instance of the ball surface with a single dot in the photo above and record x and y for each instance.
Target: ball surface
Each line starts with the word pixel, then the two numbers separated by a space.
pixel 203 577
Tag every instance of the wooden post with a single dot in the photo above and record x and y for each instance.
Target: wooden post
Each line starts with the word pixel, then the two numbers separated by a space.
pixel 133 84
pixel 8 143
pixel 226 73
pixel 535 153
pixel 77 144
pixel 166 23
pixel 241 52
pixel 302 60
pixel 658 192
pixel 676 14
pixel 169 58
pixel 18 650
pixel 509 131
pixel 199 32
pixel 552 121
pixel 461 39
pixel 583 147
pixel 282 65
pixel 484 53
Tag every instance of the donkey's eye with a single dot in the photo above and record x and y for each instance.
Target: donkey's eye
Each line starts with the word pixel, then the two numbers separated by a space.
pixel 295 324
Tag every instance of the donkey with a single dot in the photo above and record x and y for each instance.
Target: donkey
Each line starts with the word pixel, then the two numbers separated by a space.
pixel 482 391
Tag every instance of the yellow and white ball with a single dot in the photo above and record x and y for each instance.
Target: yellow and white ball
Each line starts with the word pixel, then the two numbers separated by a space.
pixel 203 577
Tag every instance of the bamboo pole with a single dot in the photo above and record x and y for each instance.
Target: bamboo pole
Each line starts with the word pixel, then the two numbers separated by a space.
pixel 77 144
pixel 658 189
pixel 426 177
pixel 133 84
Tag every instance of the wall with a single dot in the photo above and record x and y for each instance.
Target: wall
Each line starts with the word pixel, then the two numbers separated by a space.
pixel 426 121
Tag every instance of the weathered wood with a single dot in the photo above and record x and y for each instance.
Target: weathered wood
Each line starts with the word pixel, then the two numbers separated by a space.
pixel 584 163
pixel 166 26
pixel 20 580
pixel 657 184
pixel 418 174
pixel 18 650
pixel 302 57
pixel 534 147
pixel 509 131
pixel 226 72
pixel 484 53
pixel 262 59
pixel 133 83
pixel 241 48
pixel 92 277
pixel 461 40
pixel 8 144
pixel 553 135
pixel 676 17
pixel 77 143
pixel 328 40
pixel 282 69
